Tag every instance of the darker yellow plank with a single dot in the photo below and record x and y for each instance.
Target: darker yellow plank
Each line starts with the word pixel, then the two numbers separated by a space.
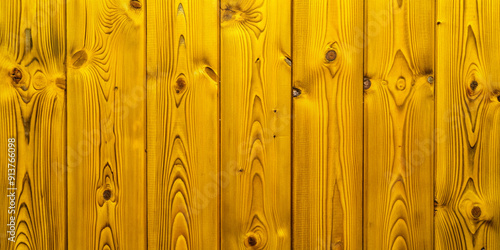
pixel 468 118
pixel 182 132
pixel 327 124
pixel 106 124
pixel 32 119
pixel 399 124
pixel 255 124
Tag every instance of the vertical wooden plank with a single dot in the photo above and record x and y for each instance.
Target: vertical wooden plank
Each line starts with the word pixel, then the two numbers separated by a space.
pixel 32 113
pixel 327 124
pixel 468 118
pixel 255 124
pixel 183 66
pixel 106 124
pixel 399 124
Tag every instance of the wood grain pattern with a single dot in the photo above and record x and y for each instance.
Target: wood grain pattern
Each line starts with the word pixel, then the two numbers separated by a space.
pixel 327 124
pixel 255 124
pixel 183 68
pixel 106 124
pixel 468 114
pixel 32 111
pixel 243 124
pixel 399 125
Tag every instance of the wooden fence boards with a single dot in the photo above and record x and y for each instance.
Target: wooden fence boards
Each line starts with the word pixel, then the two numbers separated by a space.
pixel 255 124
pixel 467 107
pixel 183 69
pixel 399 125
pixel 327 124
pixel 250 124
pixel 32 112
pixel 106 124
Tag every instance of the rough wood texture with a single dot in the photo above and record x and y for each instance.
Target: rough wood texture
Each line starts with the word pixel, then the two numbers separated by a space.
pixel 468 114
pixel 255 125
pixel 399 125
pixel 327 124
pixel 106 125
pixel 183 68
pixel 32 111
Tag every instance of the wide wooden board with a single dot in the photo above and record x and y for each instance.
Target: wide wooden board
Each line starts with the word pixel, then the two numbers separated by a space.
pixel 328 124
pixel 106 124
pixel 32 113
pixel 468 118
pixel 182 90
pixel 399 125
pixel 255 124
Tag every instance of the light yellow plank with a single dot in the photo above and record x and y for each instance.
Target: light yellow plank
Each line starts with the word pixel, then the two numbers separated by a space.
pixel 183 68
pixel 327 124
pixel 468 118
pixel 106 124
pixel 399 124
pixel 32 112
pixel 255 124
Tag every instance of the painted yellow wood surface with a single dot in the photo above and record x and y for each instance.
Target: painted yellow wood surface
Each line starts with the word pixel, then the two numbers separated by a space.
pixel 106 124
pixel 399 125
pixel 468 118
pixel 173 125
pixel 327 124
pixel 183 68
pixel 32 112
pixel 255 124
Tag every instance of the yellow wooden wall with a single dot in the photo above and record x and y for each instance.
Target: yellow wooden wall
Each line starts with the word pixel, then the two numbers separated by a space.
pixel 250 124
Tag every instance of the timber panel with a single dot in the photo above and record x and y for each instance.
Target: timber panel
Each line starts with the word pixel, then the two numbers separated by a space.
pixel 106 125
pixel 255 124
pixel 327 124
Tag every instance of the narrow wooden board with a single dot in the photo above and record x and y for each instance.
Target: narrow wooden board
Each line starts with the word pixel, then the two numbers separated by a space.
pixel 255 124
pixel 468 118
pixel 183 69
pixel 399 125
pixel 328 124
pixel 106 124
pixel 32 112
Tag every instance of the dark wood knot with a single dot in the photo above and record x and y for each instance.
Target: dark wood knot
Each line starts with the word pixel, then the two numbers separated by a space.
pixel 211 73
pixel 473 85
pixel 180 85
pixel 79 58
pixel 296 92
pixel 16 75
pixel 476 212
pixel 430 79
pixel 367 83
pixel 136 4
pixel 331 55
pixel 252 241
pixel 106 194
